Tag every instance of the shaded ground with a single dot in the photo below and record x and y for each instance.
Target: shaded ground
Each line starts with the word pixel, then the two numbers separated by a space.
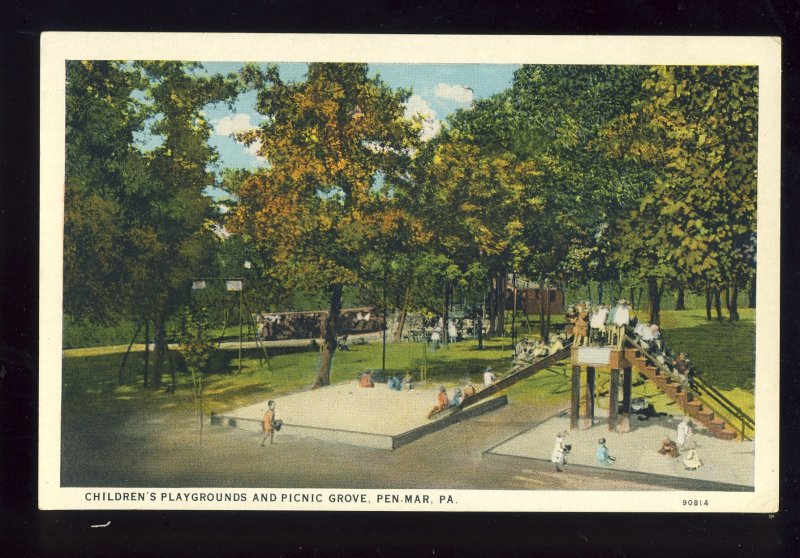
pixel 128 436
pixel 164 451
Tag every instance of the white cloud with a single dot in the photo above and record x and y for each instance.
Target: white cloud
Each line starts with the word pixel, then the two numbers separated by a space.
pixel 253 150
pixel 416 105
pixel 239 122
pixel 458 93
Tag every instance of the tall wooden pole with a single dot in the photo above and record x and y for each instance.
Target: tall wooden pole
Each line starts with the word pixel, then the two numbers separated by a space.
pixel 146 350
pixel 613 400
pixel 383 361
pixel 514 315
pixel 625 424
pixel 589 397
pixel 241 294
pixel 575 397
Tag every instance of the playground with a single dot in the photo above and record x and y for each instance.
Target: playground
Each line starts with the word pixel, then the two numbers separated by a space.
pixel 726 465
pixel 506 429
pixel 530 257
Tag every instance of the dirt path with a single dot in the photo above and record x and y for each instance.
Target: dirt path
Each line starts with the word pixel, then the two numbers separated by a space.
pixel 162 449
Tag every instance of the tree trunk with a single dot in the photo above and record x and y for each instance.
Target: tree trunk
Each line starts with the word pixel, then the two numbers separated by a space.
pixel 492 304
pixel 600 293
pixel 733 306
pixel 542 324
pixel 680 304
pixel 160 348
pixel 446 314
pixel 751 293
pixel 654 300
pixel 501 303
pixel 127 352
pixel 633 298
pixel 479 323
pixel 146 351
pixel 708 304
pixel 398 334
pixel 547 317
pixel 329 337
pixel 717 305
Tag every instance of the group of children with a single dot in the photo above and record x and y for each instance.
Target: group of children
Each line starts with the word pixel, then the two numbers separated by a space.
pixel 684 442
pixel 443 401
pixel 599 324
pixel 561 449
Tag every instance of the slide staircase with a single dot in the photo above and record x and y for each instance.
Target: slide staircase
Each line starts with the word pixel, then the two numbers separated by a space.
pixel 700 400
pixel 514 377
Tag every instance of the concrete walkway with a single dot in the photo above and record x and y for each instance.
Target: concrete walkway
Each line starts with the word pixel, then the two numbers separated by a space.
pixel 725 462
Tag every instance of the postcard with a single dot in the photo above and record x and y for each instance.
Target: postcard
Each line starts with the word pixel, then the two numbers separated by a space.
pixel 409 273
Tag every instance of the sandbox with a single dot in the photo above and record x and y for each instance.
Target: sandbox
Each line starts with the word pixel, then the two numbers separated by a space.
pixel 376 417
pixel 727 464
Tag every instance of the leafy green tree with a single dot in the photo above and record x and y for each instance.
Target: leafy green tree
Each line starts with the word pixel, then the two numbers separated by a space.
pixel 552 118
pixel 473 201
pixel 320 208
pixel 197 349
pixel 144 203
pixel 101 119
pixel 696 227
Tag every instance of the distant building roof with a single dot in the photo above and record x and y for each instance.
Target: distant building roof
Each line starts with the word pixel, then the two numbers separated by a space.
pixel 523 283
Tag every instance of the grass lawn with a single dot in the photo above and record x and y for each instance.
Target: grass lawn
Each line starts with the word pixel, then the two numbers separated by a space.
pixel 723 352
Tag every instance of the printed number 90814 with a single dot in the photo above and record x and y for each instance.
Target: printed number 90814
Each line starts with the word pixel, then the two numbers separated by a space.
pixel 695 503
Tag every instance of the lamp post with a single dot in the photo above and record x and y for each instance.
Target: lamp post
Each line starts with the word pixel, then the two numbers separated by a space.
pixel 383 361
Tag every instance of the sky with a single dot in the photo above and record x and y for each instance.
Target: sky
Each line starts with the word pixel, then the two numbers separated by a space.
pixel 437 91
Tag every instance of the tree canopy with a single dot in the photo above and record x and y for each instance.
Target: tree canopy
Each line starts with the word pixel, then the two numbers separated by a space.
pixel 626 175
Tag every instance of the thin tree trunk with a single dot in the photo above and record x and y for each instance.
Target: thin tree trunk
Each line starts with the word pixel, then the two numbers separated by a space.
pixel 708 304
pixel 329 337
pixel 680 304
pixel 733 307
pixel 146 351
pixel 501 302
pixel 751 293
pixel 600 291
pixel 547 317
pixel 542 324
pixel 492 304
pixel 446 314
pixel 654 300
pixel 633 298
pixel 160 349
pixel 398 334
pixel 717 304
pixel 127 352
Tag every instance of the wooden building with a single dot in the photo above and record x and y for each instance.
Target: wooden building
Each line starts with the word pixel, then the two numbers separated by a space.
pixel 530 297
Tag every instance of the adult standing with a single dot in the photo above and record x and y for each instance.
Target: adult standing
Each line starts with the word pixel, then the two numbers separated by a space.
pixel 435 338
pixel 622 318
pixel 611 327
pixel 597 323
pixel 685 432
